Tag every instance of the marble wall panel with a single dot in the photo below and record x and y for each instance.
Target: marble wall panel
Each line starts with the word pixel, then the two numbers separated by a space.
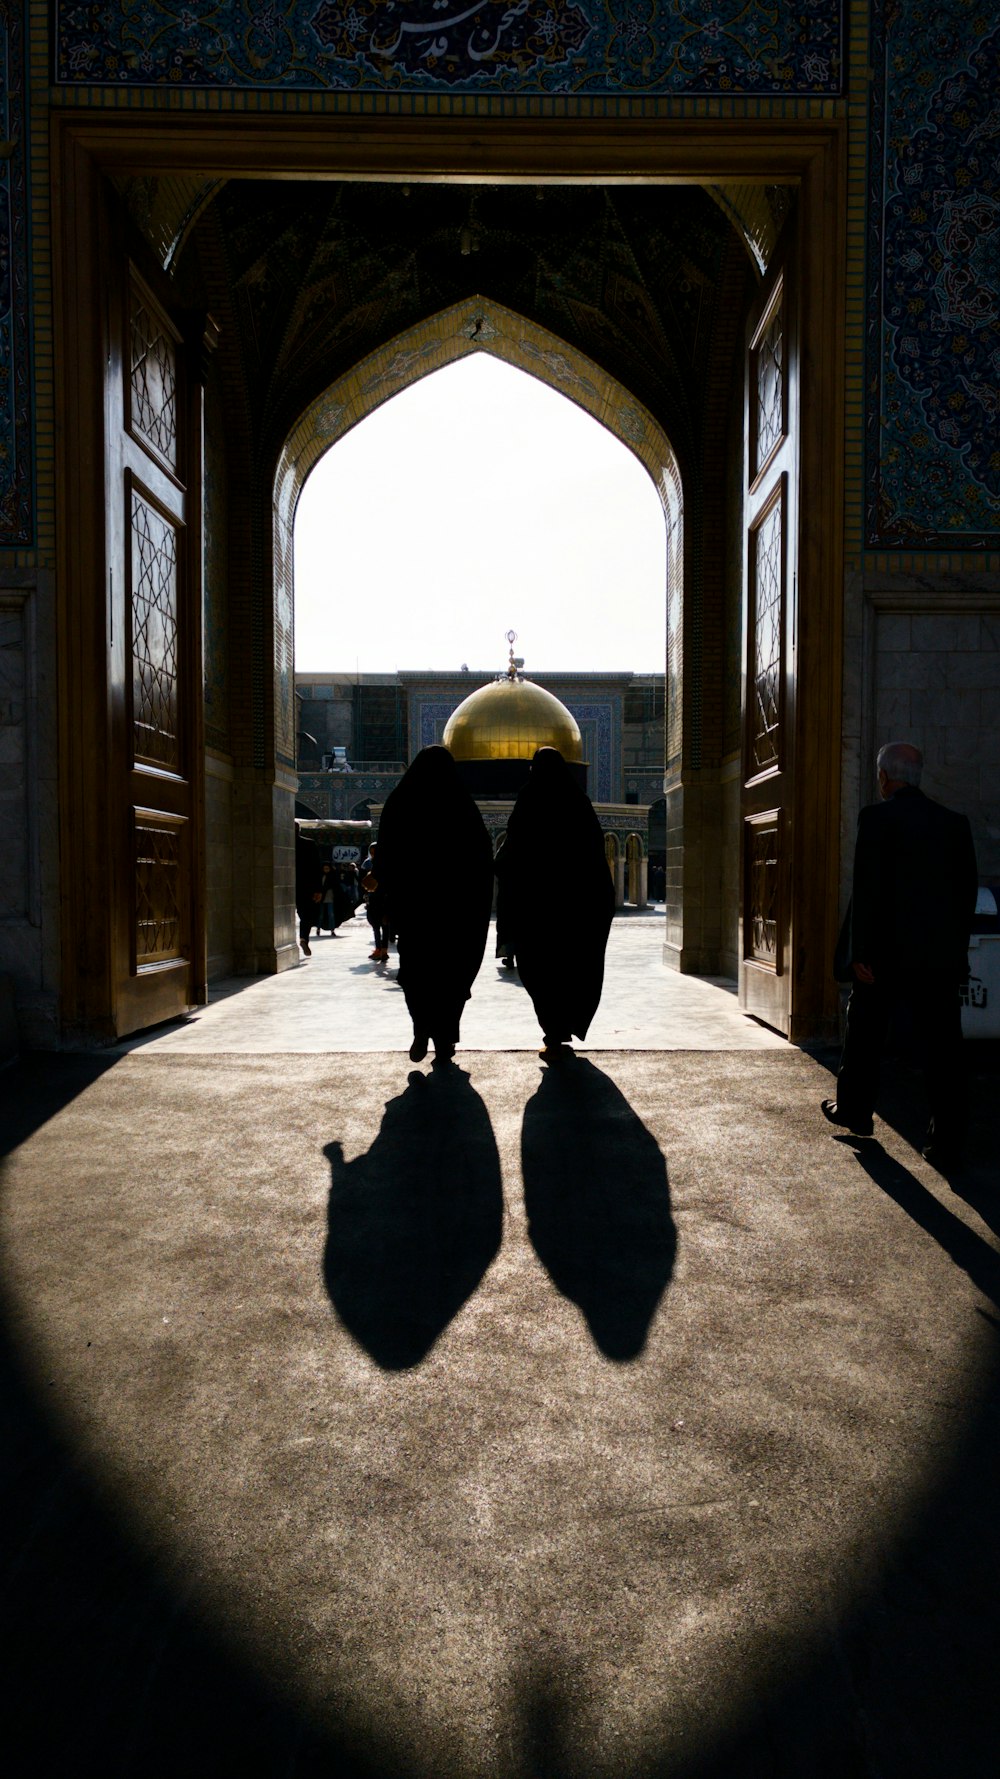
pixel 944 696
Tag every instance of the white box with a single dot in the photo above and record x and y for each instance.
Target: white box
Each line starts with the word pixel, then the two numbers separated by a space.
pixel 981 1000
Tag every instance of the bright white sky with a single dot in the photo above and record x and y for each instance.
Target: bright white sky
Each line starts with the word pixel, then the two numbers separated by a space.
pixel 475 502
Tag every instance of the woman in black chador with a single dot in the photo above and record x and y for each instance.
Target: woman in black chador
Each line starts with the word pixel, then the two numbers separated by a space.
pixel 556 899
pixel 441 923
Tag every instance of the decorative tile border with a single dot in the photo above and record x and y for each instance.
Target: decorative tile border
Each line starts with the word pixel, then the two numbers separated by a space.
pixel 933 324
pixel 445 47
pixel 472 326
pixel 16 470
pixel 600 724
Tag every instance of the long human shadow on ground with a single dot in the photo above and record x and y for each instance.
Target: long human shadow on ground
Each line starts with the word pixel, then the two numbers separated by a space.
pixel 967 1249
pixel 415 1221
pixel 598 1203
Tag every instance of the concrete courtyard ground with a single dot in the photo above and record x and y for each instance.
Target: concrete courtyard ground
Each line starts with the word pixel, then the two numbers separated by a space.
pixel 338 1000
pixel 612 1422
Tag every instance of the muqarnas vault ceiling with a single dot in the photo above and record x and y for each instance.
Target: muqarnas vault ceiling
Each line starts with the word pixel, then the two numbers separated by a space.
pixel 316 277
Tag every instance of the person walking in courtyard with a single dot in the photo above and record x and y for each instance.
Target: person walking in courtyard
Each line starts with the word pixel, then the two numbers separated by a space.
pixel 905 944
pixel 438 959
pixel 308 888
pixel 559 936
pixel 376 906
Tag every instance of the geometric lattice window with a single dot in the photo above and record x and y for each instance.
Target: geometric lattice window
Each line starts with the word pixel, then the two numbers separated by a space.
pixel 766 641
pixel 761 924
pixel 154 636
pixel 769 387
pixel 153 381
pixel 157 892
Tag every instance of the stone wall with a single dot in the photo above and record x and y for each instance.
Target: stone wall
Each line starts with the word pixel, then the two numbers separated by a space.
pixel 219 864
pixel 14 890
pixel 936 683
pixel 30 886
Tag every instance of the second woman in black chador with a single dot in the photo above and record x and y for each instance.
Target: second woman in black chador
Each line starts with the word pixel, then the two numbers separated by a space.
pixel 556 899
pixel 441 924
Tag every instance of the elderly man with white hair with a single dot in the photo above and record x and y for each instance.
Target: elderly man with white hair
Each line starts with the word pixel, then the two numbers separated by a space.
pixel 906 940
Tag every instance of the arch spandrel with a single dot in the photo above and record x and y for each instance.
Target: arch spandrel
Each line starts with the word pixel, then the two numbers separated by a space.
pixel 477 325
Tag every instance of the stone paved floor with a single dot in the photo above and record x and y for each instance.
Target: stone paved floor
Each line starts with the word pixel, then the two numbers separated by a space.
pixel 338 1000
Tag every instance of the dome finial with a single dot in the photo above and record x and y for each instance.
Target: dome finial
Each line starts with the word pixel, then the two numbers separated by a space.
pixel 512 664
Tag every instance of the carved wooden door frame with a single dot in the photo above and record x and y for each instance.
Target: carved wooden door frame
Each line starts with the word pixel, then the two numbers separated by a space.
pixel 770 570
pixel 88 145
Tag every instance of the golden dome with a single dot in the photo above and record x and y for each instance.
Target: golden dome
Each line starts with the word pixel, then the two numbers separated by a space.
pixel 509 720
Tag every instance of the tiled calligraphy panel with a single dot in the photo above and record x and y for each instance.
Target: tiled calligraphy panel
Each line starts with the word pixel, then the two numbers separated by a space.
pixel 767 655
pixel 155 656
pixel 447 46
pixel 158 935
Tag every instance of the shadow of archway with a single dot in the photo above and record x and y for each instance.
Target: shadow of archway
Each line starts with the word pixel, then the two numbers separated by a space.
pixel 598 1204
pixel 413 1223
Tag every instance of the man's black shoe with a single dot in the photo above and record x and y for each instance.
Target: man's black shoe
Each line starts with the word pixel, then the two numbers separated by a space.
pixel 861 1127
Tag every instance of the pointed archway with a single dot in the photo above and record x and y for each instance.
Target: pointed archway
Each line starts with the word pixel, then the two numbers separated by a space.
pixel 480 325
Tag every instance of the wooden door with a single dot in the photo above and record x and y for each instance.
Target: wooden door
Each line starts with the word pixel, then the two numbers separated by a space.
pixel 154 599
pixel 770 515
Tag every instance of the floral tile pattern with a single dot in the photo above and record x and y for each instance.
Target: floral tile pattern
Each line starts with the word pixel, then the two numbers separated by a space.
pixel 933 424
pixel 16 473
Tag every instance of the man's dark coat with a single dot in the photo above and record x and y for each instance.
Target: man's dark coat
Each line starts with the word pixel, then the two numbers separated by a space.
pixel 914 891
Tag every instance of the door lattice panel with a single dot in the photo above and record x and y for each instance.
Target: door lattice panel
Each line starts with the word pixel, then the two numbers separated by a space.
pixel 157 899
pixel 153 382
pixel 769 387
pixel 767 650
pixel 762 925
pixel 154 636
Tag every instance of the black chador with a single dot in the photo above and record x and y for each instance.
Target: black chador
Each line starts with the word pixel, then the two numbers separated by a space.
pixel 556 899
pixel 435 864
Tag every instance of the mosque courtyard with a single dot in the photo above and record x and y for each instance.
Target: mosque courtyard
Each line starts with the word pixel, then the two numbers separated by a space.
pixel 493 1422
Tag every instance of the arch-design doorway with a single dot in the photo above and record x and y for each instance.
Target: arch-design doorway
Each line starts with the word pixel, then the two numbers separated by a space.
pixel 474 326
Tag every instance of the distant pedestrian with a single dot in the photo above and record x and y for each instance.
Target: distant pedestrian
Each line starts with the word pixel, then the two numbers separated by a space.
pixel 349 878
pixel 308 888
pixel 376 906
pixel 558 934
pixel 441 925
pixel 905 948
pixel 336 906
pixel 504 946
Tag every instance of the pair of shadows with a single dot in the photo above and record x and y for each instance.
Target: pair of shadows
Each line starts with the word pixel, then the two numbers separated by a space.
pixel 414 1223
